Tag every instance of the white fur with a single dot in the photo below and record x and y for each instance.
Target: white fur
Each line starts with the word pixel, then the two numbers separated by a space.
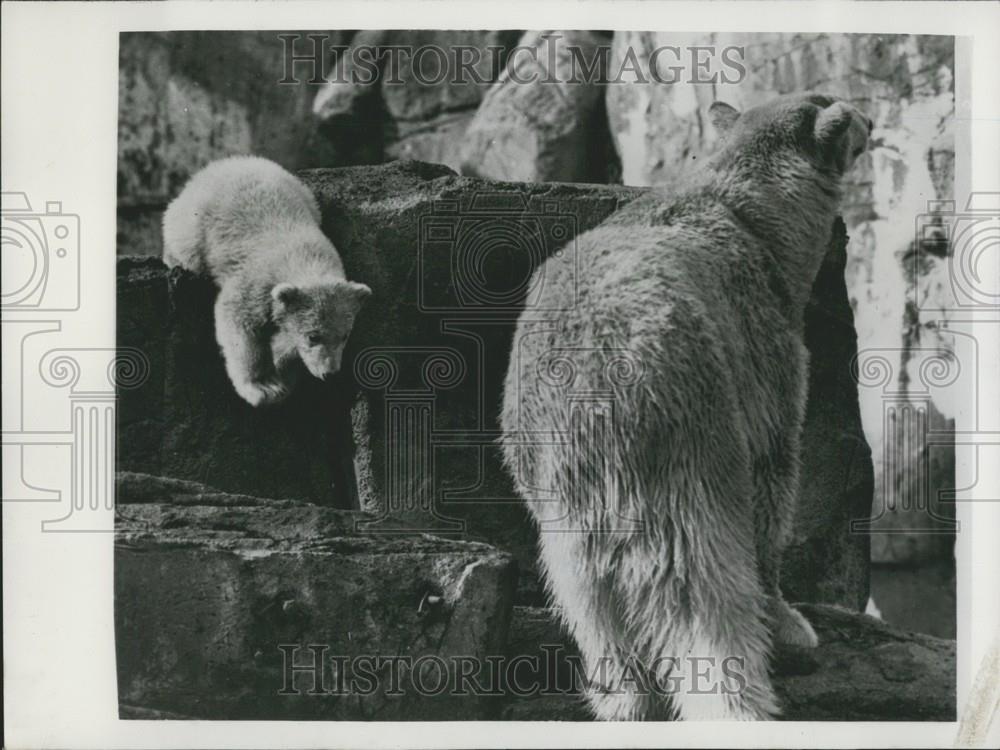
pixel 665 490
pixel 253 227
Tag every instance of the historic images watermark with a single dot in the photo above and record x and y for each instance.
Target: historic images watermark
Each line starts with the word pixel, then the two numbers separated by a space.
pixel 309 669
pixel 432 64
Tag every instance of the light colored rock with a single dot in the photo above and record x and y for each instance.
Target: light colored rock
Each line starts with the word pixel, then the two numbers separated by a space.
pixel 189 97
pixel 409 108
pixel 542 121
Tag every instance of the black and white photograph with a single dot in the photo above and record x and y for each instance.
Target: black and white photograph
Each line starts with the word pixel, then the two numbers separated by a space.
pixel 471 372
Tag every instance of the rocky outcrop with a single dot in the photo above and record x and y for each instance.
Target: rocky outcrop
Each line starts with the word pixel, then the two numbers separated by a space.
pixel 188 97
pixel 409 431
pixel 489 104
pixel 836 483
pixel 237 607
pixel 415 102
pixel 863 670
pixel 544 120
pixel 186 421
pixel 222 604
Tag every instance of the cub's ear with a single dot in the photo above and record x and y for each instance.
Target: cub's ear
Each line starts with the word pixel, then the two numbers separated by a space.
pixel 353 293
pixel 359 292
pixel 285 295
pixel 722 116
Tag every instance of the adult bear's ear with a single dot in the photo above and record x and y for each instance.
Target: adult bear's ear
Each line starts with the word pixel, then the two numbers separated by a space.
pixel 842 132
pixel 285 296
pixel 722 116
pixel 833 122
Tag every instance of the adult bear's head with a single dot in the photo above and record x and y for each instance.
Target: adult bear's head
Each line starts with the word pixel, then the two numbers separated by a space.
pixel 830 133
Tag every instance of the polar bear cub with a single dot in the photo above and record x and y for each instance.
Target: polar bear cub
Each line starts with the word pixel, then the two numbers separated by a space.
pixel 283 296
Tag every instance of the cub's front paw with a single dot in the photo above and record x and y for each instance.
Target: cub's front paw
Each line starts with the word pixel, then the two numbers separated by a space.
pixel 789 627
pixel 262 394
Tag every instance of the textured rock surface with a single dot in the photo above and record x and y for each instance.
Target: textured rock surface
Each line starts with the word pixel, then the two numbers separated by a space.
pixel 837 476
pixel 429 354
pixel 186 421
pixel 432 346
pixel 217 594
pixel 863 670
pixel 409 109
pixel 552 128
pixel 181 105
pixel 207 593
pixel 188 97
pixel 897 285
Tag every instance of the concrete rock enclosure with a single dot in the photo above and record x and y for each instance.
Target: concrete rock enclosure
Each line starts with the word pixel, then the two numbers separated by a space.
pixel 186 420
pixel 224 601
pixel 540 133
pixel 400 115
pixel 239 529
pixel 408 433
pixel 180 107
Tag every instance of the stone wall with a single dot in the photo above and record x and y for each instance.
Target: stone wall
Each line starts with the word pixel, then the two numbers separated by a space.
pixel 234 607
pixel 186 421
pixel 219 595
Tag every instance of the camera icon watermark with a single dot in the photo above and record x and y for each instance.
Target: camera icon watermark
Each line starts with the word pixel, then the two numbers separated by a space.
pixel 41 256
pixel 966 240
pixel 492 247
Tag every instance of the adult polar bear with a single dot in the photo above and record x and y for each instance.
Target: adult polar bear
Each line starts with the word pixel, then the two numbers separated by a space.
pixel 705 289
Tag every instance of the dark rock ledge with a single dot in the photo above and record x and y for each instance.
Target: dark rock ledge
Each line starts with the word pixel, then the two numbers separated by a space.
pixel 210 586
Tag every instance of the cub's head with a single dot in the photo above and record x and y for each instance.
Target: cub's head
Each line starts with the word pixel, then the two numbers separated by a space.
pixel 316 320
pixel 827 132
